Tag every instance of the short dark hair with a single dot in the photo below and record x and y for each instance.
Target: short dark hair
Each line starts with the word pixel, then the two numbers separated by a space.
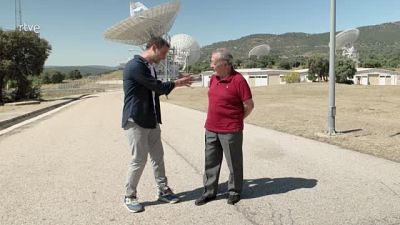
pixel 159 42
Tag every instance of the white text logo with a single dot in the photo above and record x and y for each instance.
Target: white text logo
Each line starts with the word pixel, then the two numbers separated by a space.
pixel 26 27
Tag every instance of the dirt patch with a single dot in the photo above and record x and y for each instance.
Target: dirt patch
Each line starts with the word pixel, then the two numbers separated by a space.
pixel 367 117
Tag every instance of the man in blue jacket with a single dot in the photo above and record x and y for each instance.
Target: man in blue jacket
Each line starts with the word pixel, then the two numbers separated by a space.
pixel 141 118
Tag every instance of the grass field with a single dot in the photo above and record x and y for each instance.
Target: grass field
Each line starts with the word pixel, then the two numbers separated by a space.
pixel 367 118
pixel 82 86
pixel 116 75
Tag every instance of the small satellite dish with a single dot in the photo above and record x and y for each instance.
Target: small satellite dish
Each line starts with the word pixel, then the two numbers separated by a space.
pixel 143 23
pixel 187 50
pixel 345 42
pixel 260 50
pixel 136 7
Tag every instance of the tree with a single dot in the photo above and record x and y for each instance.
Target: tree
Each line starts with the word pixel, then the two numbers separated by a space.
pixel 46 78
pixel 249 63
pixel 318 67
pixel 371 63
pixel 298 61
pixel 74 75
pixel 22 56
pixel 57 77
pixel 268 60
pixel 285 64
pixel 29 54
pixel 52 77
pixel 194 69
pixel 344 70
pixel 200 66
pixel 237 63
pixel 5 62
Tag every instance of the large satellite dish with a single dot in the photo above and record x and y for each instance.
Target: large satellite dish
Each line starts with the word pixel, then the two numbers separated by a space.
pixel 143 23
pixel 345 42
pixel 260 50
pixel 187 50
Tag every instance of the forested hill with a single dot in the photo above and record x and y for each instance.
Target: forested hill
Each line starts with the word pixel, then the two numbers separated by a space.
pixel 378 40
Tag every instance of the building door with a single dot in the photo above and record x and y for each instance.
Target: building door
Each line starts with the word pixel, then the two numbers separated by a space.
pixel 261 81
pixel 388 80
pixel 382 80
pixel 364 80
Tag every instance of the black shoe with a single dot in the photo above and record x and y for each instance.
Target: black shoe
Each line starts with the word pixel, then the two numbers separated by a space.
pixel 233 199
pixel 204 199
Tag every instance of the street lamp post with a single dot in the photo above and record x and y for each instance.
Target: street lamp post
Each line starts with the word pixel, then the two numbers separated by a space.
pixel 332 107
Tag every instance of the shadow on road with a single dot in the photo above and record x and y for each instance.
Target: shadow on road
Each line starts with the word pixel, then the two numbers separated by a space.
pixel 394 134
pixel 350 131
pixel 256 188
pixel 252 188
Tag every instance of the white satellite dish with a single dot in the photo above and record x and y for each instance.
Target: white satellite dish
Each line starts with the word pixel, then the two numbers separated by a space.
pixel 345 42
pixel 143 23
pixel 187 50
pixel 346 37
pixel 260 50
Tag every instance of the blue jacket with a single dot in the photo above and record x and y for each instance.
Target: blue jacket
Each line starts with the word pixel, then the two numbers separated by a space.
pixel 138 100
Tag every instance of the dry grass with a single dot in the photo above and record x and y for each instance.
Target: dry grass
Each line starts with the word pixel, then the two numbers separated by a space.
pixel 367 116
pixel 81 86
pixel 116 75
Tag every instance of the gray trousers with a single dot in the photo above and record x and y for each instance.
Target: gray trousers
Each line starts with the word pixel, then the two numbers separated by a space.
pixel 217 144
pixel 143 142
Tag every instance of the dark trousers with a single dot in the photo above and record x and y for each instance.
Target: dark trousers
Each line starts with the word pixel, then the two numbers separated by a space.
pixel 217 144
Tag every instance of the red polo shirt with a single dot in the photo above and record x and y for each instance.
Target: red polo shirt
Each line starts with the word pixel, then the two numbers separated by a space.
pixel 225 103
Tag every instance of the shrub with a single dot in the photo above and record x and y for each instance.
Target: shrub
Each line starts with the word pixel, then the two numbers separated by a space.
pixel 292 77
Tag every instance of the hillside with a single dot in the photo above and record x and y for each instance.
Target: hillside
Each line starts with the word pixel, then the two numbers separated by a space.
pixel 93 70
pixel 378 40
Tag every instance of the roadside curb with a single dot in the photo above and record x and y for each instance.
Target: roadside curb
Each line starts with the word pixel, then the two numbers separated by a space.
pixel 10 122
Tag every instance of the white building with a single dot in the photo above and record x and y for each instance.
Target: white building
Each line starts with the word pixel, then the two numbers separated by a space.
pixel 375 76
pixel 260 77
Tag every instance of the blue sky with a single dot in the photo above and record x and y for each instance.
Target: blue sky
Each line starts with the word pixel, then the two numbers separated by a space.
pixel 75 28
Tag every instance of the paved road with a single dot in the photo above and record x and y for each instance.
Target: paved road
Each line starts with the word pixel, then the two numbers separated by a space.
pixel 69 168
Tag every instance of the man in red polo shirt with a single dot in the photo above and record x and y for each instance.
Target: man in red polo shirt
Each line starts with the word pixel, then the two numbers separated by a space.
pixel 229 102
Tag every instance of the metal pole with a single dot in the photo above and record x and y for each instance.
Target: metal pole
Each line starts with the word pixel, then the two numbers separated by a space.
pixel 16 22
pixel 166 75
pixel 20 13
pixel 332 107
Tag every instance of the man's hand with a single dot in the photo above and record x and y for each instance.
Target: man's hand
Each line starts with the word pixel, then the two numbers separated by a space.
pixel 185 81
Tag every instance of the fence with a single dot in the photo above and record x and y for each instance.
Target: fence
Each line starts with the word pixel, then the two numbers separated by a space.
pixel 81 86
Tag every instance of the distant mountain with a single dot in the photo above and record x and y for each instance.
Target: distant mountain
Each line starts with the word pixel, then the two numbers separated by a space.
pixel 92 69
pixel 380 40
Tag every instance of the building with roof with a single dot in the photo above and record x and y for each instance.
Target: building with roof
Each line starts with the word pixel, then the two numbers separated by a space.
pixel 260 77
pixel 376 76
